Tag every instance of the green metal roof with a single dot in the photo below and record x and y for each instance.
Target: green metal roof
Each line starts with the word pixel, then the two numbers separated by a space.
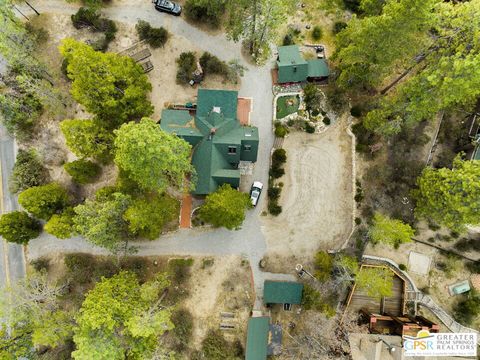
pixel 257 338
pixel 291 66
pixel 213 130
pixel 226 100
pixel 317 68
pixel 180 122
pixel 282 292
pixel 289 55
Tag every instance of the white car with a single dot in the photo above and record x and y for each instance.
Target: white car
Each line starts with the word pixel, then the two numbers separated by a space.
pixel 255 192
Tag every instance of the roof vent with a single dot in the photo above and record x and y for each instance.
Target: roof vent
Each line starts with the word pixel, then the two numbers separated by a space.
pixel 217 109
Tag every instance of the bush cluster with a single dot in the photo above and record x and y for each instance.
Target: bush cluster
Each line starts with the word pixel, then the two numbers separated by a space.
pixel 280 130
pixel 28 171
pixel 82 171
pixel 316 32
pixel 205 12
pixel 279 157
pixel 89 17
pixel 155 37
pixel 186 66
pixel 213 65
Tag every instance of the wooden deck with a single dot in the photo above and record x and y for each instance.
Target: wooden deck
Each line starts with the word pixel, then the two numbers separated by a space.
pixel 393 305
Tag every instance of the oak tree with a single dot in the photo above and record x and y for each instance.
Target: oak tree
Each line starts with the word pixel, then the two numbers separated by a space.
pixel 45 200
pixel 151 157
pixel 19 227
pixel 225 207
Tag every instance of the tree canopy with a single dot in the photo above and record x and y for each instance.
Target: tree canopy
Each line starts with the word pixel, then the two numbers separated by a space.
pixel 147 216
pixel 82 171
pixel 370 47
pixel 376 282
pixel 111 86
pixel 44 201
pixel 120 319
pixel 87 138
pixel 28 171
pixel 151 157
pixel 389 231
pixel 323 265
pixel 19 227
pixel 101 221
pixel 61 225
pixel 450 196
pixel 429 46
pixel 257 22
pixel 225 207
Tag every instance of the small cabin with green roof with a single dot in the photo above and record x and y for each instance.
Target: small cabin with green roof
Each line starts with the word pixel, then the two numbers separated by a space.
pixel 257 338
pixel 293 68
pixel 282 292
pixel 218 139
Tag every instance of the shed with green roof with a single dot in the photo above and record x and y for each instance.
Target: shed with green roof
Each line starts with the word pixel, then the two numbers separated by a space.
pixel 282 292
pixel 218 139
pixel 257 338
pixel 293 68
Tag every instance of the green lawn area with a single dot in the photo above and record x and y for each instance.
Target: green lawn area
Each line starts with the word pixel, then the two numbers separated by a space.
pixel 287 105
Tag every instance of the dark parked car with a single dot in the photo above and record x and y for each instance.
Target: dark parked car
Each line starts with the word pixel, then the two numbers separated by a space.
pixel 168 7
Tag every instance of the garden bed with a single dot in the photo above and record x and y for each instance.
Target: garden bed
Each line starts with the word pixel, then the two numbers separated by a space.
pixel 287 105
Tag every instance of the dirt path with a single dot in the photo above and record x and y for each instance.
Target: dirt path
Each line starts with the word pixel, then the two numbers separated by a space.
pixel 316 196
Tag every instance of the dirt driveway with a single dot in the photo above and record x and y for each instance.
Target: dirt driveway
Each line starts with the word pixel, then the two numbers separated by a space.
pixel 316 197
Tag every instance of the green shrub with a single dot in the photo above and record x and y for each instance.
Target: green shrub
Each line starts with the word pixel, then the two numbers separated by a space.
pixel 326 120
pixel 358 221
pixel 274 208
pixel 28 171
pixel 44 201
pixel 205 12
pixel 274 193
pixel 276 172
pixel 323 265
pixel 309 128
pixel 216 347
pixel 356 111
pixel 155 37
pixel 213 65
pixel 40 264
pixel 89 17
pixel 339 26
pixel 61 225
pixel 19 227
pixel 311 298
pixel 402 267
pixel 20 112
pixel 186 66
pixel 279 156
pixel 316 32
pixel 82 171
pixel 85 16
pixel 352 5
pixel 468 309
pixel 280 131
pixel 288 40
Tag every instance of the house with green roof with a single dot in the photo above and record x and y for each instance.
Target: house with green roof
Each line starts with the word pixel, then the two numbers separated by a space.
pixel 293 68
pixel 218 139
pixel 282 292
pixel 257 338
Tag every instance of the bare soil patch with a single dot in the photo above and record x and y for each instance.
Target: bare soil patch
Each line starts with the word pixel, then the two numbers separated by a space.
pixel 316 197
pixel 222 286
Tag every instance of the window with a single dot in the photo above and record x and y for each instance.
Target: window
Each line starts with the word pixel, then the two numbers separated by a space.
pixel 232 150
pixel 247 147
pixel 287 307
